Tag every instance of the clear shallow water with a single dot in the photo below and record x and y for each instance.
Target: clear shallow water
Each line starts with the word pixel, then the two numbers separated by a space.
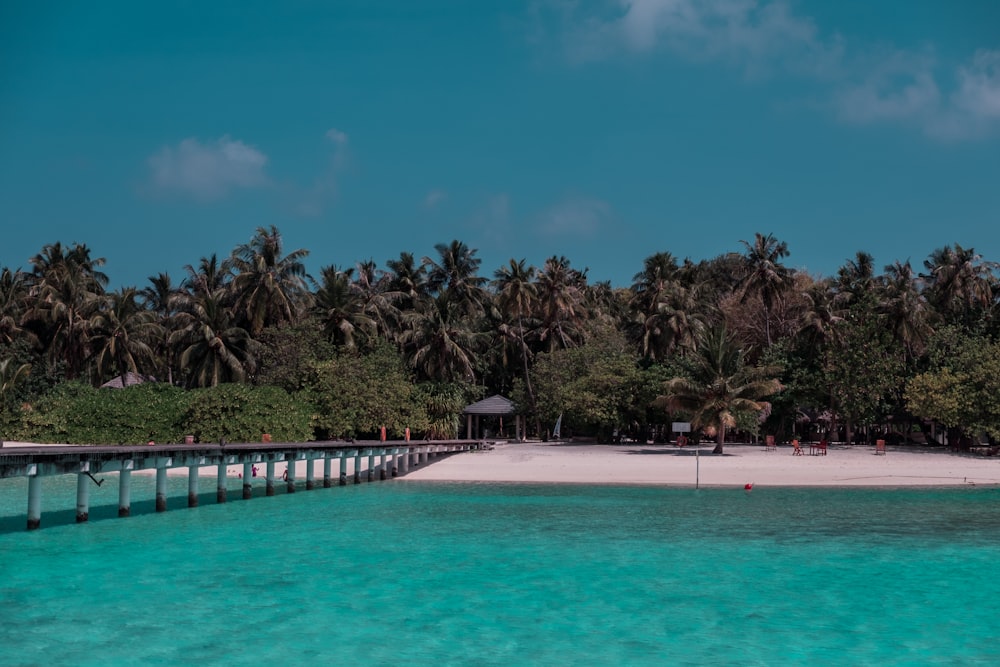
pixel 447 574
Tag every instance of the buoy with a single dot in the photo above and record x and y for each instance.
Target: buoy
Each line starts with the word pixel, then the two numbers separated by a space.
pixel 748 486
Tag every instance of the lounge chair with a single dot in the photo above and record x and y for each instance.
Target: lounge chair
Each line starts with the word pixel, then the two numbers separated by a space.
pixel 769 444
pixel 880 447
pixel 819 449
pixel 796 450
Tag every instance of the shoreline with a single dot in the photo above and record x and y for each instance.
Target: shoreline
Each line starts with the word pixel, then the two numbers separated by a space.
pixel 669 465
pixel 640 464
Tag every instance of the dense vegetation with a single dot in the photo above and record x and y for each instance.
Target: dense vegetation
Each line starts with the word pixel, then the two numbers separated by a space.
pixel 250 343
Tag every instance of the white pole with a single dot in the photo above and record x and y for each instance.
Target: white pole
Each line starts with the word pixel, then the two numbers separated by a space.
pixel 34 502
pixel 82 497
pixel 697 467
pixel 161 489
pixel 125 492
pixel 192 486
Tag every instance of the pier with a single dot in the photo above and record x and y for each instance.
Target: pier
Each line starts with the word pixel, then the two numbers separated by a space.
pixel 372 461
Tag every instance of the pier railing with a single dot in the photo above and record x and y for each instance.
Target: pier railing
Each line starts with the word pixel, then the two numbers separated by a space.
pixel 366 460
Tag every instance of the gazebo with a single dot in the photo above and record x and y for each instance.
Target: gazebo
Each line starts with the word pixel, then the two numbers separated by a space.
pixel 494 406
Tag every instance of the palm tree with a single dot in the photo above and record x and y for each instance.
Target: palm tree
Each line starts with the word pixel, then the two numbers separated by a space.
pixel 721 385
pixel 456 276
pixel 65 287
pixel 378 299
pixel 341 308
pixel 856 280
pixel 160 298
pixel 11 375
pixel 13 303
pixel 122 335
pixel 648 286
pixel 209 276
pixel 667 315
pixel 269 288
pixel 765 275
pixel 905 308
pixel 213 348
pixel 407 278
pixel 437 343
pixel 517 296
pixel 560 299
pixel 959 282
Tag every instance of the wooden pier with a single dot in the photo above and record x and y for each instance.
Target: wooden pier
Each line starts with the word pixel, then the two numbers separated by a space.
pixel 372 460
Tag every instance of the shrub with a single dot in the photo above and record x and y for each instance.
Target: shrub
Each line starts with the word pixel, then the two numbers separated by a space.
pixel 241 413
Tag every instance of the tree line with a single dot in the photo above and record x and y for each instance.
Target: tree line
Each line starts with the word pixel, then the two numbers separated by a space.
pixel 740 342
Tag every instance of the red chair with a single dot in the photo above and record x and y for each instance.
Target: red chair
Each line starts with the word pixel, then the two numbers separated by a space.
pixel 880 447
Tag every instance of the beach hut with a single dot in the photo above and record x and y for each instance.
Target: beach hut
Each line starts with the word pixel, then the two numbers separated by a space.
pixel 494 406
pixel 131 379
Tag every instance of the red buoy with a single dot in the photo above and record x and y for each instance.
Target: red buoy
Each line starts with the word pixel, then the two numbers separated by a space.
pixel 748 486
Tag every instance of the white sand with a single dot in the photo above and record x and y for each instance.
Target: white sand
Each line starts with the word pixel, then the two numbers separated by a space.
pixel 669 465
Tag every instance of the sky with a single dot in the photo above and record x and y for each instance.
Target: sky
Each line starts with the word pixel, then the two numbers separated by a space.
pixel 604 131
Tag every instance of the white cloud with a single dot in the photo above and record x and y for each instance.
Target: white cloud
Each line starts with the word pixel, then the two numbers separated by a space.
pixel 750 34
pixel 577 216
pixel 336 136
pixel 866 85
pixel 979 86
pixel 207 171
pixel 434 198
pixel 901 86
pixel 906 88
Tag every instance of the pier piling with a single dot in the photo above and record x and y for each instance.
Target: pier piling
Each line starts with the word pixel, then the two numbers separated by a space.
pixel 34 502
pixel 125 490
pixel 82 497
pixel 220 482
pixel 269 479
pixel 247 480
pixel 192 486
pixel 161 489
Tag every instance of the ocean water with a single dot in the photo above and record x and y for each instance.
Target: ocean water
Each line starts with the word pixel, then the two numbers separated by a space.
pixel 408 573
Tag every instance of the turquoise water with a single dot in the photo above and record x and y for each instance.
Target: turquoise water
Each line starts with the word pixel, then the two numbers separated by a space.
pixel 461 574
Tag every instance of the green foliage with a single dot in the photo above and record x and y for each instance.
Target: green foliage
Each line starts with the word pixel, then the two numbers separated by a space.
pixel 241 413
pixel 720 390
pixel 866 368
pixel 962 388
pixel 354 395
pixel 290 352
pixel 596 387
pixel 443 403
pixel 78 413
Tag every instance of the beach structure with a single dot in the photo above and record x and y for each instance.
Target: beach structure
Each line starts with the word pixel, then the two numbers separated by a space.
pixel 393 459
pixel 494 406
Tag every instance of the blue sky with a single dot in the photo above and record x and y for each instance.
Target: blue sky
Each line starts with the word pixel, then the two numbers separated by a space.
pixel 605 131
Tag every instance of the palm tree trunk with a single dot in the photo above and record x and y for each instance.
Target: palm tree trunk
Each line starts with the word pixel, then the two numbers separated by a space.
pixel 527 376
pixel 720 440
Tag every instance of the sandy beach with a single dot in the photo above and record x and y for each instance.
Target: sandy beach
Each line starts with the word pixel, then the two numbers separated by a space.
pixel 741 464
pixel 571 463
